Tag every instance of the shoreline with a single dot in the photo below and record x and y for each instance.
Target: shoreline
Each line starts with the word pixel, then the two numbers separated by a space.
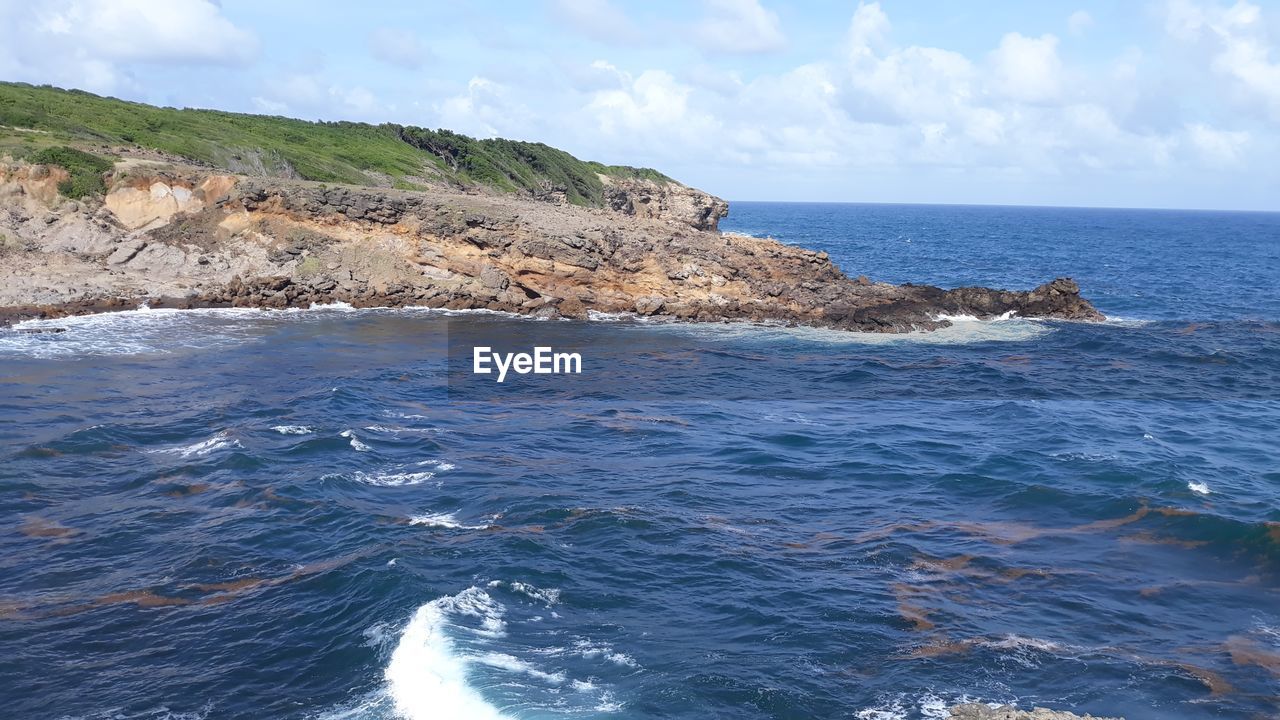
pixel 11 316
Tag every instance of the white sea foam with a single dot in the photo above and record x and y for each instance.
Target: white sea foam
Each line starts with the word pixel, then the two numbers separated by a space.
pixel 440 465
pixel 429 674
pixel 1126 322
pixel 220 441
pixel 378 634
pixel 1013 329
pixel 426 676
pixel 1082 456
pixel 151 331
pixel 902 707
pixel 597 316
pixel 443 520
pixel 796 418
pixel 607 703
pixel 516 665
pixel 590 649
pixel 934 707
pixel 355 441
pixel 1020 642
pixel 974 318
pixel 162 331
pixel 1199 488
pixel 894 709
pixel 132 332
pixel 1030 652
pixel 547 596
pixel 399 475
pixel 292 429
pixel 393 479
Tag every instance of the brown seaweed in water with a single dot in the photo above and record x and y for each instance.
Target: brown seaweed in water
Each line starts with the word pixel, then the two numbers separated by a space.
pixel 38 527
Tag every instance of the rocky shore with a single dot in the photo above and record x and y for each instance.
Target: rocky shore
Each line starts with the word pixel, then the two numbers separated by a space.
pixel 172 235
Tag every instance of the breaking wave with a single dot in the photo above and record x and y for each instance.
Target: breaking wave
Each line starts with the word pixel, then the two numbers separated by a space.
pixel 221 441
pixel 427 677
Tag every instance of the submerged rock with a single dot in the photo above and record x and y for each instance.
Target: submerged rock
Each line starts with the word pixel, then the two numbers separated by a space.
pixel 978 711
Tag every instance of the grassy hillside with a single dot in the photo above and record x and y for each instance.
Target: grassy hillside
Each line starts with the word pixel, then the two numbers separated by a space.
pixel 33 119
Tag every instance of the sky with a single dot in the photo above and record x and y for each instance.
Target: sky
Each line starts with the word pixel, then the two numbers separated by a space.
pixel 1142 103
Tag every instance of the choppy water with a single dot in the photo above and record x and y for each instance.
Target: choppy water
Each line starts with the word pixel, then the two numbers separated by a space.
pixel 300 514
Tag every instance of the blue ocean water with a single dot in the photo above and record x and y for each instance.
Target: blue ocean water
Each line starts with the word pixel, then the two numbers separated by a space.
pixel 306 514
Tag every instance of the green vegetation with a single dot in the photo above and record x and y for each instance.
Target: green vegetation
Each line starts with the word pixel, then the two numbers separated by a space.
pixel 518 166
pixel 86 170
pixel 342 152
pixel 309 266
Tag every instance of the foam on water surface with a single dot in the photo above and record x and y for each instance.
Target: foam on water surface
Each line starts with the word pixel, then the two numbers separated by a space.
pixel 220 441
pixel 448 521
pixel 427 677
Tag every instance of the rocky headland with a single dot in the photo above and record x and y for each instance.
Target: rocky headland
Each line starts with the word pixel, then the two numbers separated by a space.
pixel 404 217
pixel 182 236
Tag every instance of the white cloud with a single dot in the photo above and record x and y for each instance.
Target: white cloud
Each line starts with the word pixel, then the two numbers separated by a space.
pixel 1029 108
pixel 1219 148
pixel 399 47
pixel 486 109
pixel 869 29
pixel 740 26
pixel 891 85
pixel 1079 22
pixel 653 113
pixel 597 75
pixel 1027 69
pixel 268 106
pixel 598 19
pixel 654 99
pixel 722 82
pixel 312 95
pixel 160 31
pixel 92 44
pixel 1237 41
pixel 1020 114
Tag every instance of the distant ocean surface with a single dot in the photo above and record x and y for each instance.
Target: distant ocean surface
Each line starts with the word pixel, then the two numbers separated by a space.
pixel 305 514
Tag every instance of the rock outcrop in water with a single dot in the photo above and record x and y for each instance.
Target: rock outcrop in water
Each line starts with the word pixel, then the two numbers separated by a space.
pixel 180 236
pixel 978 711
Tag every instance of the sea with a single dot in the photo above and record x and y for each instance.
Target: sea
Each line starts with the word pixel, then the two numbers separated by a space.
pixel 325 514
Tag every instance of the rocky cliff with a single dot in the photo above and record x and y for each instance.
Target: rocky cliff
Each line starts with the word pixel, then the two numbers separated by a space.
pixel 183 236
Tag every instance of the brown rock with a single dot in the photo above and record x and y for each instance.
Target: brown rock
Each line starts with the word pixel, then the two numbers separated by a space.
pixel 978 711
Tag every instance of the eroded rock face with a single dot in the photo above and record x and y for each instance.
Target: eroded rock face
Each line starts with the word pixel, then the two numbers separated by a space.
pixel 664 201
pixel 977 711
pixel 151 202
pixel 22 184
pixel 186 237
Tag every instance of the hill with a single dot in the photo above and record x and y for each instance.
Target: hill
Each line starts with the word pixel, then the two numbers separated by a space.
pixel 405 157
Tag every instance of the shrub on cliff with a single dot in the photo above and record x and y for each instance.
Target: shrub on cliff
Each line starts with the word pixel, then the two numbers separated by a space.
pixel 85 169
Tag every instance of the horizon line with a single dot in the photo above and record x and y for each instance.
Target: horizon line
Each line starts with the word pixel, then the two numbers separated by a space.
pixel 1024 206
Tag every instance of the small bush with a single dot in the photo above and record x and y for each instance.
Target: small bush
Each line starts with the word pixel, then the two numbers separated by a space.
pixel 310 265
pixel 86 170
